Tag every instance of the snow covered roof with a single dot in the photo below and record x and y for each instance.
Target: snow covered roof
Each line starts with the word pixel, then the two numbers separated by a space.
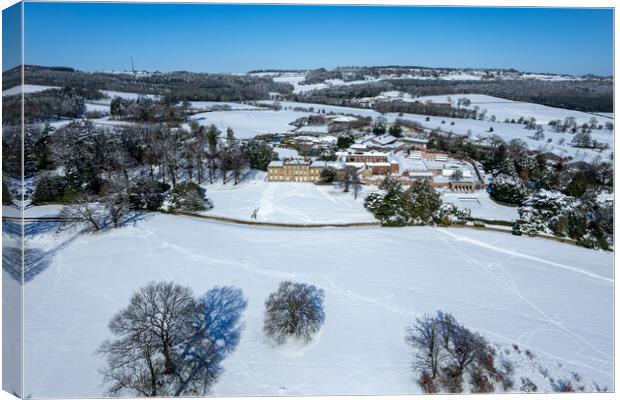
pixel 384 139
pixel 344 118
pixel 305 138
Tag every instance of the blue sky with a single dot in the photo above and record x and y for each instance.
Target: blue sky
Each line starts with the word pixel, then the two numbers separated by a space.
pixel 11 36
pixel 238 38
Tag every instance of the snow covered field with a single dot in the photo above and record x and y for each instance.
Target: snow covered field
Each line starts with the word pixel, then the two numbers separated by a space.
pixel 247 124
pixel 553 299
pixel 211 104
pixel 286 202
pixel 481 205
pixel 27 89
pixel 504 108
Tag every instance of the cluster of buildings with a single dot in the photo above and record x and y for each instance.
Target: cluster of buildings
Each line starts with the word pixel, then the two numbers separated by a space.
pixel 405 159
pixel 374 166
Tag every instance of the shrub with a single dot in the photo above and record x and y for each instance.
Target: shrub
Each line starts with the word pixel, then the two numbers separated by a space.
pixel 561 385
pixel 451 379
pixel 294 311
pixel 426 383
pixel 508 189
pixel 480 383
pixel 328 175
pixel 188 196
pixel 527 385
pixel 147 195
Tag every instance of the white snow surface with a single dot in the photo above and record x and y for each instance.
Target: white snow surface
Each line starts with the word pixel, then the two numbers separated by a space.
pixel 481 205
pixel 27 89
pixel 551 298
pixel 211 104
pixel 504 108
pixel 247 123
pixel 286 202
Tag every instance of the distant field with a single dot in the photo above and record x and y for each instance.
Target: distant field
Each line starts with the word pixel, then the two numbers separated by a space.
pixel 503 108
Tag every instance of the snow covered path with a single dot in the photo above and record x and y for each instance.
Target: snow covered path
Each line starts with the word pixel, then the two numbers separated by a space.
pixel 552 298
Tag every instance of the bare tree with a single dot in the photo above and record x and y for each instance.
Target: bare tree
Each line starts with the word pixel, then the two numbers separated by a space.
pixel 238 162
pixel 116 199
pixel 83 210
pixel 350 179
pixel 170 344
pixel 424 335
pixel 152 331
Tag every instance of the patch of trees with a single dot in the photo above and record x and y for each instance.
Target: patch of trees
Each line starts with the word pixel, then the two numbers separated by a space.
pixel 344 142
pixel 425 108
pixel 320 75
pixel 167 342
pixel 148 110
pixel 111 175
pixel 294 312
pixel 586 220
pixel 395 206
pixel 187 196
pixel 448 355
pixel 43 106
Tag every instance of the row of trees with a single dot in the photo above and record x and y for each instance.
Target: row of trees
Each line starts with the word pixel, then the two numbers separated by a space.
pixel 163 155
pixel 108 176
pixel 427 108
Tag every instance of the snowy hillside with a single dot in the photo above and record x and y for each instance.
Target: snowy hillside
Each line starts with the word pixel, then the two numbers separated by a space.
pixel 249 123
pixel 26 89
pixel 537 294
pixel 503 108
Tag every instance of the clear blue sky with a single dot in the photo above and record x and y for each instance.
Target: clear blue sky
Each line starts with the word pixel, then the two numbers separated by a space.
pixel 238 38
pixel 11 36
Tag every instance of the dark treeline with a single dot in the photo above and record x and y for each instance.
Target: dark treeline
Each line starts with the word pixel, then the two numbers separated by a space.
pixel 584 95
pixel 149 110
pixel 321 75
pixel 428 108
pixel 184 85
pixel 46 105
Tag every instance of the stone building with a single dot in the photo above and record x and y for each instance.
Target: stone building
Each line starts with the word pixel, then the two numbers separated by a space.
pixel 295 170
